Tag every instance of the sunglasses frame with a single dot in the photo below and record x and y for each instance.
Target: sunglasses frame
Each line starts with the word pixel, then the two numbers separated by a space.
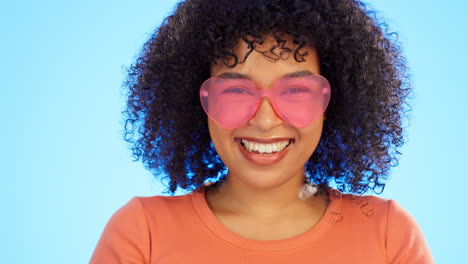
pixel 269 94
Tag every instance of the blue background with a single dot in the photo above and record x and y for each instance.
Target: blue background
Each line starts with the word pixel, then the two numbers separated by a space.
pixel 65 168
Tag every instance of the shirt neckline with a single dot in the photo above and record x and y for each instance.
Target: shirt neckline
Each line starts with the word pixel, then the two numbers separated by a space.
pixel 331 215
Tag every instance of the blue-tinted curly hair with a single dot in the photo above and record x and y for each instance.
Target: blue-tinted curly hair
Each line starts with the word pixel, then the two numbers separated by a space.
pixel 361 58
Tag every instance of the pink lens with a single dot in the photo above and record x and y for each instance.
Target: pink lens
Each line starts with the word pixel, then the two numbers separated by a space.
pixel 301 101
pixel 231 103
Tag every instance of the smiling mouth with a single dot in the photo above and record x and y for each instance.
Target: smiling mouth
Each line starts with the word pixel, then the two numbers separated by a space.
pixel 265 148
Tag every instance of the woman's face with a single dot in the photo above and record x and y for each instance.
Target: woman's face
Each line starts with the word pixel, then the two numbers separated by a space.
pixel 270 170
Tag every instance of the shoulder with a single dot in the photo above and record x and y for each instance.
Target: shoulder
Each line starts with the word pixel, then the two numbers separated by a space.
pixel 125 237
pixel 403 239
pixel 387 212
pixel 161 207
pixel 140 207
pixel 127 234
pixel 370 205
pixel 362 208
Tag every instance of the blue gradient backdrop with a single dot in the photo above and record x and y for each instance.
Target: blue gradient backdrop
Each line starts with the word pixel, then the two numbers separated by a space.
pixel 65 168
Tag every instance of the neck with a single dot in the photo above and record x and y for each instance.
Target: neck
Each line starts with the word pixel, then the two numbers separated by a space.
pixel 236 197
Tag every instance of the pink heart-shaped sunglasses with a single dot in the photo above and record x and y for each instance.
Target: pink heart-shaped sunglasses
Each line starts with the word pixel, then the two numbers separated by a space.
pixel 299 101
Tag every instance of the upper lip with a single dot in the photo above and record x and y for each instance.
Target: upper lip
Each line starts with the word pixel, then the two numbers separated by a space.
pixel 265 140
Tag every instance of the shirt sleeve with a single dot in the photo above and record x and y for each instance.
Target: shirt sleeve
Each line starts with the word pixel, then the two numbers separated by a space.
pixel 125 239
pixel 405 241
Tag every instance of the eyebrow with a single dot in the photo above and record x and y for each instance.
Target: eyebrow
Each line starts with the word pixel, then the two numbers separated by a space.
pixel 238 75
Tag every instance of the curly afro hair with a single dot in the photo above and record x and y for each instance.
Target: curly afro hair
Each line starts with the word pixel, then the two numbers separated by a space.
pixel 167 127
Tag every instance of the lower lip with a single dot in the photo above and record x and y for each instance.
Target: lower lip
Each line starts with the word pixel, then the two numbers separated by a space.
pixel 263 160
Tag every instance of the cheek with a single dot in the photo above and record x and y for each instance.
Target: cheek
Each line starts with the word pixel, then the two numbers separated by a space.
pixel 213 132
pixel 223 143
pixel 219 135
pixel 311 135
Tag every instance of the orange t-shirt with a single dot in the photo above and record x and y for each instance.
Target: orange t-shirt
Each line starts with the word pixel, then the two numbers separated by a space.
pixel 183 229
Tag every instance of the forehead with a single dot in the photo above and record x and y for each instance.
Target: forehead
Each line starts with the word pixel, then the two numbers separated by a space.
pixel 268 58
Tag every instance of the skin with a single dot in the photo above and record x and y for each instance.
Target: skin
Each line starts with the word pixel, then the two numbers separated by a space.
pixel 254 199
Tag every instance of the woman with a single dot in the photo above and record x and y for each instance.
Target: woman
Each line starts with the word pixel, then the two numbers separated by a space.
pixel 272 102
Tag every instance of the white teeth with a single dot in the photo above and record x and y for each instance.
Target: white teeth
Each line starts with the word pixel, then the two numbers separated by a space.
pixel 265 148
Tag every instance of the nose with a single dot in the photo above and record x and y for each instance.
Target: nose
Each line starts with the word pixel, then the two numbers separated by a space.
pixel 265 118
